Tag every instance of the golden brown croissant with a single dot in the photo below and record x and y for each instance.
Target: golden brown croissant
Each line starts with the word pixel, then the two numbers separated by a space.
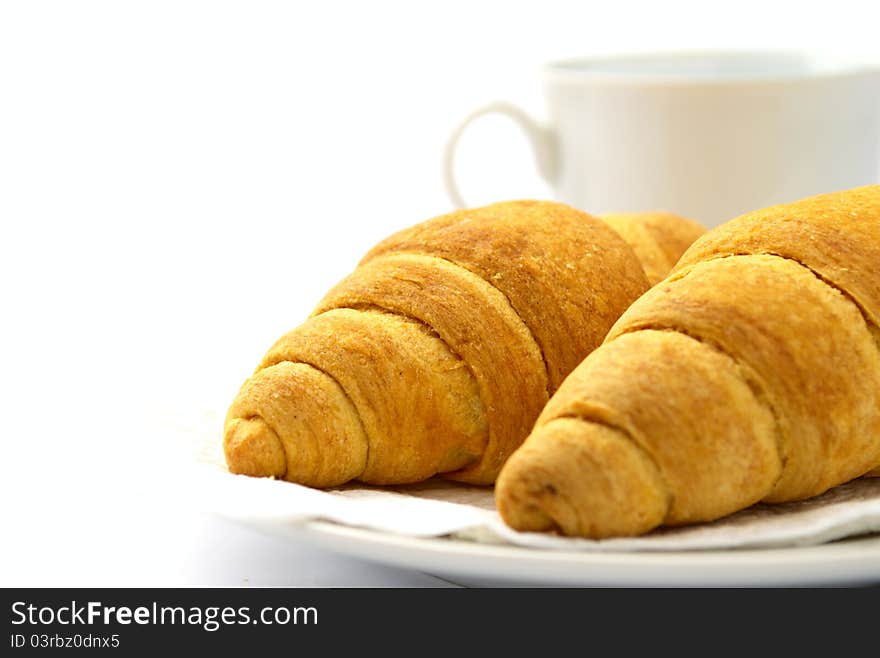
pixel 438 352
pixel 751 373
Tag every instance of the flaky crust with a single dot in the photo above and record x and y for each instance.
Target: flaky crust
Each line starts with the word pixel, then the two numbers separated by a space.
pixel 751 373
pixel 567 275
pixel 405 384
pixel 803 342
pixel 835 235
pixel 438 352
pixel 443 296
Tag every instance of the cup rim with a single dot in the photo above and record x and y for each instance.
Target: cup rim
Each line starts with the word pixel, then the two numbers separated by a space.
pixel 816 65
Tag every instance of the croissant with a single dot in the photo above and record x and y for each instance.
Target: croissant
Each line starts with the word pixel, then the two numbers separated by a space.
pixel 751 373
pixel 436 355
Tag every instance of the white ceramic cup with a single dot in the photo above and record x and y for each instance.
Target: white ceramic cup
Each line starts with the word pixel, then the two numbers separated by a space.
pixel 707 135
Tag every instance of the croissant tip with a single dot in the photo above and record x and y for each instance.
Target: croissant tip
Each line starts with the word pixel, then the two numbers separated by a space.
pixel 253 448
pixel 521 496
pixel 594 483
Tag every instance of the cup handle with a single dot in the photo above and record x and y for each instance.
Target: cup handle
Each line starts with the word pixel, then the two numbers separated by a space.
pixel 539 137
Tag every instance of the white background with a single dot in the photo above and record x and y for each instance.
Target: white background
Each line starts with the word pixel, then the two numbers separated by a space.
pixel 181 181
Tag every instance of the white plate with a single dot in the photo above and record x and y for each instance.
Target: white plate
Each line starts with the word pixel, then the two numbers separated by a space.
pixel 401 523
pixel 849 562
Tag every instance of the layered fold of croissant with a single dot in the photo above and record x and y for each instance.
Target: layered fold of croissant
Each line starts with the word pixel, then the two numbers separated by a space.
pixel 502 357
pixel 439 351
pixel 751 373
